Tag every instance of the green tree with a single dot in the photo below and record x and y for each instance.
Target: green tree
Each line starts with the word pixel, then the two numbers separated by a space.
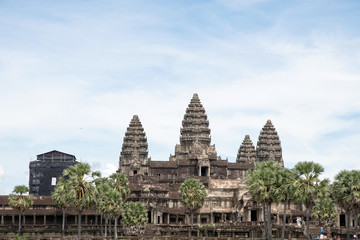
pixel 346 192
pixel 120 183
pixel 263 184
pixel 324 210
pixel 284 192
pixel 111 206
pixel 192 196
pixel 59 196
pixel 20 200
pixel 112 193
pixel 102 184
pixel 134 218
pixel 308 186
pixel 81 191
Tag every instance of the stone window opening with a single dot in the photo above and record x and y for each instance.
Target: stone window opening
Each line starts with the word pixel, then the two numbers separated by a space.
pixel 135 172
pixel 204 171
pixel 254 216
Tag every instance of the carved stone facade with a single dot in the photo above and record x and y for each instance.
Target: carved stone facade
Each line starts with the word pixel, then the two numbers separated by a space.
pixel 156 183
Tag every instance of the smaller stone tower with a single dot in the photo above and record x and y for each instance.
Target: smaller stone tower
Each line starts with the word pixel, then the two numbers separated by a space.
pixel 246 153
pixel 269 145
pixel 134 154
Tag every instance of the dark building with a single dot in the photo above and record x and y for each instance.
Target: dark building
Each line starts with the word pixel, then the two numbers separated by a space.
pixel 45 171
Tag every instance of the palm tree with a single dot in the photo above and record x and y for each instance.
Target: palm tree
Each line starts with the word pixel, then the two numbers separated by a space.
pixel 20 200
pixel 81 192
pixel 192 196
pixel 284 192
pixel 119 184
pixel 134 218
pixel 324 209
pixel 111 206
pixel 102 185
pixel 308 186
pixel 111 195
pixel 263 184
pixel 59 196
pixel 346 192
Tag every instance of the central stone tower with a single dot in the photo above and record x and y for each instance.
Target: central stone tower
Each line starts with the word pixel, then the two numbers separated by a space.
pixel 194 148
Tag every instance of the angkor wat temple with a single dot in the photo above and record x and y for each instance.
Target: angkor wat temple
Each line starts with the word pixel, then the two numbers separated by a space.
pixel 228 208
pixel 156 182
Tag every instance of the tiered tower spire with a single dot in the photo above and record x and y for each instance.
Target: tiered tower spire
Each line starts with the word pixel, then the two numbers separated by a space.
pixel 195 126
pixel 269 145
pixel 246 153
pixel 134 155
pixel 195 134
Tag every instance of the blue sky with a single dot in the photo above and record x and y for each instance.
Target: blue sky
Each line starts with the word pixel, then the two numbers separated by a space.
pixel 73 73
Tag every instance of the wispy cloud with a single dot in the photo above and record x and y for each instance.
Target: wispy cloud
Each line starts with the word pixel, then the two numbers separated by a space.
pixel 71 80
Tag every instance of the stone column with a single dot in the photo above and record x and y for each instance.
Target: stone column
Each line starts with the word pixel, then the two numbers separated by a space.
pixel 86 219
pixel 13 219
pixel 212 218
pixel 34 219
pixel 198 219
pixel 168 218
pixel 44 219
pixel 2 220
pixel 96 219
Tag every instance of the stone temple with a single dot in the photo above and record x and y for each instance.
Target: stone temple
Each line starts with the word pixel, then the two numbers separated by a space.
pixel 156 182
pixel 228 204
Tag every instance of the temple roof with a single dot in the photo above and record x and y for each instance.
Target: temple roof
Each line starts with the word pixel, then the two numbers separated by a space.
pixel 195 126
pixel 56 156
pixel 246 151
pixel 269 145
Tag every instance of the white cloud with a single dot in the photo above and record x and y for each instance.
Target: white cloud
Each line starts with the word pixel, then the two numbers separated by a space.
pixel 110 169
pixel 78 87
